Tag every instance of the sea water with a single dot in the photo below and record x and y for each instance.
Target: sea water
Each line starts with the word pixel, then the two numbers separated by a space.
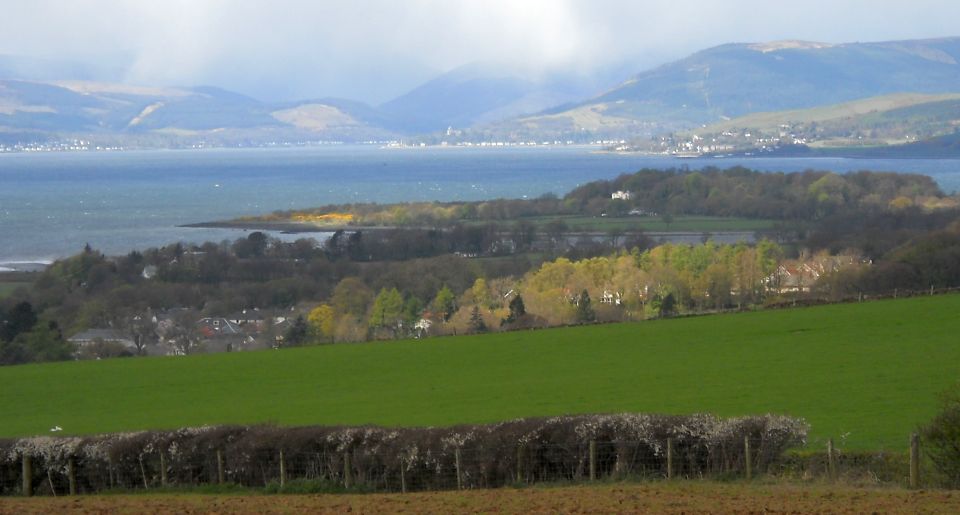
pixel 52 204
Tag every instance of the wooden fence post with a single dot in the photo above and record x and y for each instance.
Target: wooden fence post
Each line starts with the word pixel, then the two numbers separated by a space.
pixel 53 489
pixel 163 469
pixel 143 474
pixel 27 469
pixel 283 470
pixel 831 461
pixel 456 457
pixel 72 474
pixel 914 461
pixel 520 464
pixel 221 475
pixel 669 458
pixel 593 460
pixel 747 458
pixel 347 479
pixel 403 477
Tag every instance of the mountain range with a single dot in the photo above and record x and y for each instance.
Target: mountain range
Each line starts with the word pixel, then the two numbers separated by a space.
pixel 482 101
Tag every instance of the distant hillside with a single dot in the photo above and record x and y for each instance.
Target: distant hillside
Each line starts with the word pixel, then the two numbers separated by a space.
pixel 481 93
pixel 484 102
pixel 887 122
pixel 737 79
pixel 31 111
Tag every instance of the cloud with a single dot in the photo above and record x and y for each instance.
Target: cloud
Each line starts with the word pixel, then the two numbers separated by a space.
pixel 375 49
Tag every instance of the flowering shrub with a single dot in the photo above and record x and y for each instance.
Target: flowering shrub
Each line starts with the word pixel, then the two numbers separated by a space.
pixel 534 449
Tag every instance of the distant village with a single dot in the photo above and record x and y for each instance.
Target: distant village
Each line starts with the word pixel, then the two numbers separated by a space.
pixel 183 331
pixel 745 141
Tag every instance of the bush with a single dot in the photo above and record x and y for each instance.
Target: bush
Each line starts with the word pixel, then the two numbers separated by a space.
pixel 941 438
pixel 385 459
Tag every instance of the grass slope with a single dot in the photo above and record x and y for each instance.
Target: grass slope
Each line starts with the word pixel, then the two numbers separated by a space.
pixel 680 223
pixel 864 110
pixel 866 374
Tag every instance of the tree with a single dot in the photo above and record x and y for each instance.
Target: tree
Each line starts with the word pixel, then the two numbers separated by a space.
pixel 297 334
pixel 667 219
pixel 141 329
pixel 412 310
pixel 255 245
pixel 941 437
pixel 517 310
pixel 445 303
pixel 667 306
pixel 481 294
pixel 44 343
pixel 477 324
pixel 322 321
pixel 351 297
pixel 20 319
pixel 585 313
pixel 387 310
pixel 182 333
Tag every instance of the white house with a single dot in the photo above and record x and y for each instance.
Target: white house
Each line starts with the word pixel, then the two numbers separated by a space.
pixel 621 195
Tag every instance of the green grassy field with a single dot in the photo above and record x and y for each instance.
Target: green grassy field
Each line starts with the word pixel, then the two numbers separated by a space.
pixel 656 224
pixel 6 288
pixel 866 374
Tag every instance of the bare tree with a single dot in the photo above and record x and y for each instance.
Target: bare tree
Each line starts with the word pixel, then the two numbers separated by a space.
pixel 182 335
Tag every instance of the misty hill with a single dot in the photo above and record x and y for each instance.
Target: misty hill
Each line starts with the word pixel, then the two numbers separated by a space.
pixel 737 79
pixel 482 92
pixel 34 111
pixel 51 69
pixel 484 102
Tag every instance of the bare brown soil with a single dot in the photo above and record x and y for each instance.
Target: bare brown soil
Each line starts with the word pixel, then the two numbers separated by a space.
pixel 684 497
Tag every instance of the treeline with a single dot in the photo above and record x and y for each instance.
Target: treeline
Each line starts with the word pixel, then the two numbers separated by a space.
pixel 472 278
pixel 929 260
pixel 24 338
pixel 94 290
pixel 733 192
pixel 742 192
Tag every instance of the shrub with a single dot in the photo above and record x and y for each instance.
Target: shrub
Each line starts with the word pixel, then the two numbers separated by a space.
pixel 941 438
pixel 385 459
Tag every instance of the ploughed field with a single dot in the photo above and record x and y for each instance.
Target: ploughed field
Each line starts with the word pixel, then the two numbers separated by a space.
pixel 866 374
pixel 682 497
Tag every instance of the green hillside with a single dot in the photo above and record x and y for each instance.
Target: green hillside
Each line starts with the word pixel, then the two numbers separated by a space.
pixel 734 80
pixel 865 374
pixel 913 111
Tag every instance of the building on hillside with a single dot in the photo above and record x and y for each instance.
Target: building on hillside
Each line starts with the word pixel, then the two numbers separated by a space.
pixel 799 276
pixel 101 335
pixel 621 195
pixel 251 320
pixel 611 297
pixel 210 327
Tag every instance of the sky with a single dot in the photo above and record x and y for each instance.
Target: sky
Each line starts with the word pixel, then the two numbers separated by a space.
pixel 374 50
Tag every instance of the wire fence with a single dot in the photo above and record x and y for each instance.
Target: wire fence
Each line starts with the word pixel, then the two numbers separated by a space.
pixel 463 468
pixel 523 451
pixel 362 470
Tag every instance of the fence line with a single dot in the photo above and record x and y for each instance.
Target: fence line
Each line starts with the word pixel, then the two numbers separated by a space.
pixel 523 451
pixel 468 467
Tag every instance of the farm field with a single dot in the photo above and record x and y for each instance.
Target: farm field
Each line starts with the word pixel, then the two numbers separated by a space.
pixel 679 497
pixel 865 374
pixel 654 224
pixel 8 287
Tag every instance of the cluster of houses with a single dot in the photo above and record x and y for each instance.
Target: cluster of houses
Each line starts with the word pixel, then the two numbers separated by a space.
pixel 176 332
pixel 799 276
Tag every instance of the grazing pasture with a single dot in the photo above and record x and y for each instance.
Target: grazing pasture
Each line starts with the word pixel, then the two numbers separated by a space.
pixel 865 374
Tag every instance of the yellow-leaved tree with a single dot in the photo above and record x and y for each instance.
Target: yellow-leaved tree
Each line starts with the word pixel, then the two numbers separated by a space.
pixel 322 322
